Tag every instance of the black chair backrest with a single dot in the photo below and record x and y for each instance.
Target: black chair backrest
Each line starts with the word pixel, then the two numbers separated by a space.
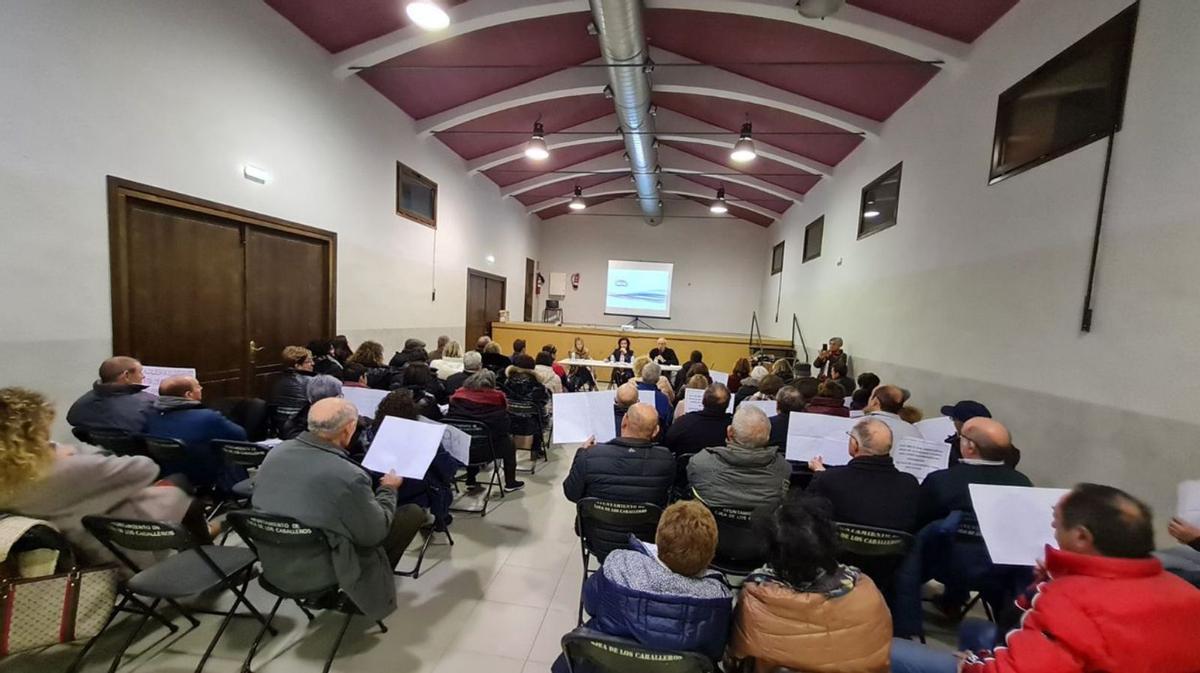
pixel 164 450
pixel 81 434
pixel 241 454
pixel 523 408
pixel 279 540
pixel 586 649
pixel 737 539
pixel 118 442
pixel 248 412
pixel 864 541
pixel 482 451
pixel 142 536
pixel 605 525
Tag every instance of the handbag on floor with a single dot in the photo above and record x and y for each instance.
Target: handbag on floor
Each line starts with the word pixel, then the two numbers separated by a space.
pixel 38 611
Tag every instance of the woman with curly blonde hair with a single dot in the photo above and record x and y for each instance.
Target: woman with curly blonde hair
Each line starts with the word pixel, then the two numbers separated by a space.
pixel 61 485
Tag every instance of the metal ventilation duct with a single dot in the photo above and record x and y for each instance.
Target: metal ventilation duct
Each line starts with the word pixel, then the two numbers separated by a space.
pixel 623 46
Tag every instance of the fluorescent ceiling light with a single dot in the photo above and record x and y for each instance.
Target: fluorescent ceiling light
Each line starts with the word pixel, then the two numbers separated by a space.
pixel 427 15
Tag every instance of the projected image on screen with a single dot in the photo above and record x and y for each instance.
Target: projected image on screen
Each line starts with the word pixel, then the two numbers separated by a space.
pixel 640 289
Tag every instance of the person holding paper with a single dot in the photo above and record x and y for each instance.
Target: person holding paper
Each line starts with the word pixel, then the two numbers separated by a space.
pixel 831 402
pixel 651 373
pixel 685 372
pixel 1100 603
pixel 701 429
pixel 746 473
pixel 1185 560
pixel 311 479
pixel 985 445
pixel 787 400
pixel 662 354
pixel 630 468
pixel 892 499
pixel 479 400
pixel 117 400
pixel 885 404
pixel 962 411
pixel 436 491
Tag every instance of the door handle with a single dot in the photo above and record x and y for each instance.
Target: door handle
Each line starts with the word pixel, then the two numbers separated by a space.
pixel 254 349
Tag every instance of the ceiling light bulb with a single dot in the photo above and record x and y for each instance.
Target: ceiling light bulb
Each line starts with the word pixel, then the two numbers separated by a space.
pixel 818 9
pixel 427 15
pixel 577 202
pixel 743 150
pixel 536 147
pixel 871 213
pixel 719 206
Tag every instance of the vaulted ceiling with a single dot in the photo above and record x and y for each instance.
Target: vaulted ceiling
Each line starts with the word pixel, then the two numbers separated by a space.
pixel 814 89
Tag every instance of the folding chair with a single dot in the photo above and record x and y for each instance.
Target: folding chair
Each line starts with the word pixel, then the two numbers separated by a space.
pixel 116 442
pixel 482 455
pixel 170 454
pixel 246 455
pixel 878 552
pixel 279 541
pixel 740 549
pixel 193 570
pixel 526 419
pixel 605 525
pixel 591 650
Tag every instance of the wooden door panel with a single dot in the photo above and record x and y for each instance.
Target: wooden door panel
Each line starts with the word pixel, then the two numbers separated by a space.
pixel 495 302
pixel 287 298
pixel 185 293
pixel 476 309
pixel 530 285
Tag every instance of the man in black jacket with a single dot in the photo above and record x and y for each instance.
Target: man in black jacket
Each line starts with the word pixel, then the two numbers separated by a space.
pixel 117 400
pixel 662 354
pixel 701 429
pixel 414 351
pixel 869 490
pixel 630 468
pixel 472 362
pixel 787 400
pixel 985 445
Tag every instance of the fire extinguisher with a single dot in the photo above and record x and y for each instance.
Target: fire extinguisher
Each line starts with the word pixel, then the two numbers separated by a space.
pixel 574 281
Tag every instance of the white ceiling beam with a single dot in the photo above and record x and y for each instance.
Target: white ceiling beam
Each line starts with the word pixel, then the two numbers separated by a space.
pixel 465 18
pixel 600 130
pixel 682 162
pixel 609 163
pixel 619 185
pixel 849 21
pixel 672 184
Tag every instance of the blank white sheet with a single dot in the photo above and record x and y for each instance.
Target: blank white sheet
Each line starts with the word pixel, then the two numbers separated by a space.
pixel 1017 522
pixel 404 447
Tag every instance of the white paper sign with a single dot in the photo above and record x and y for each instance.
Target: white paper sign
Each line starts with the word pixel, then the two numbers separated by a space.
pixel 366 400
pixel 578 416
pixel 456 442
pixel 919 457
pixel 768 406
pixel 812 435
pixel 936 428
pixel 857 413
pixel 1017 522
pixel 1188 508
pixel 270 443
pixel 847 401
pixel 693 400
pixel 645 397
pixel 404 447
pixel 719 377
pixel 152 377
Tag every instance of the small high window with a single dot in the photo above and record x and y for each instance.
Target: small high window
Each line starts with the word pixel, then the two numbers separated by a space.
pixel 777 258
pixel 880 200
pixel 813 234
pixel 416 196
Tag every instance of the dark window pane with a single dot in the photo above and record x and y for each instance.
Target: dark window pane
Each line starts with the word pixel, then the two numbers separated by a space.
pixel 880 201
pixel 813 234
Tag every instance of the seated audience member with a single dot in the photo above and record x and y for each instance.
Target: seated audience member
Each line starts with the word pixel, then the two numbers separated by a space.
pixel 523 385
pixel 638 364
pixel 701 429
pixel 626 396
pixel 961 412
pixel 829 401
pixel 697 369
pixel 662 354
pixel 1100 603
pixel 579 377
pixel 787 400
pixel 449 362
pixel 435 491
pixel 427 390
pixel 117 400
pixel 808 386
pixel 413 351
pixel 58 484
pixel 479 400
pixel 558 369
pixel 289 393
pixel 439 352
pixel 697 382
pixel 354 375
pixel 910 414
pixel 767 388
pixel 685 372
pixel 885 404
pixel 741 370
pixel 543 368
pixel 629 468
pixel 841 376
pixel 893 494
pixel 860 399
pixel 749 384
pixel 481 343
pixel 310 479
pixel 804 611
pixel 472 363
pixel 1185 559
pixel 783 369
pixel 518 348
pixel 321 387
pixel 651 373
pixel 868 381
pixel 746 473
pixel 830 358
pixel 341 349
pixel 177 414
pixel 663 595
pixel 495 361
pixel 984 443
pixel 622 353
pixel 369 355
pixel 324 361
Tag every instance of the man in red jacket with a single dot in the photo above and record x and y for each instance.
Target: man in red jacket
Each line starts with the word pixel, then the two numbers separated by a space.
pixel 1100 603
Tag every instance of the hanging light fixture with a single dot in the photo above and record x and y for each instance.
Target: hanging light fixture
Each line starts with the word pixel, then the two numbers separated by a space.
pixel 719 206
pixel 536 147
pixel 743 150
pixel 871 210
pixel 427 14
pixel 818 9
pixel 577 202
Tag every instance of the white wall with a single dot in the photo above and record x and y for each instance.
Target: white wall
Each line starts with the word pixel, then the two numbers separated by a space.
pixel 179 94
pixel 977 292
pixel 717 263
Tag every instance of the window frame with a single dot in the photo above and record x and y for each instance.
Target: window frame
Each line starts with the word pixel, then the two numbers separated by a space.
pixel 777 258
pixel 406 174
pixel 807 255
pixel 898 170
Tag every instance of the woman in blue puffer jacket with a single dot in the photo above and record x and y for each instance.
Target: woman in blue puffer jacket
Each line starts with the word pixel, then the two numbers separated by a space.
pixel 662 595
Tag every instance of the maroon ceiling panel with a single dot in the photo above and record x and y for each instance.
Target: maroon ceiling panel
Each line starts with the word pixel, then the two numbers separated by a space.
pixel 563 209
pixel 764 169
pixel 567 187
pixel 547 44
pixel 735 192
pixel 816 140
pixel 342 24
pixel 740 213
pixel 963 20
pixel 556 115
pixel 522 169
pixel 874 91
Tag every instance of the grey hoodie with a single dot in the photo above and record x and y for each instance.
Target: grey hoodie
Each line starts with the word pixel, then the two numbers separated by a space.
pixel 739 477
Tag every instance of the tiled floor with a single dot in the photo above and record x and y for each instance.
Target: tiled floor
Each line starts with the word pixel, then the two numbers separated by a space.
pixel 498 601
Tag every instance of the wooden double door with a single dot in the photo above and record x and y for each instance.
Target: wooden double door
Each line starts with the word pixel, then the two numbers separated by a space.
pixel 485 299
pixel 222 290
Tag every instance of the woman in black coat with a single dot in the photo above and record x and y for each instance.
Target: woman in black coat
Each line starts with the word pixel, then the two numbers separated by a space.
pixel 622 353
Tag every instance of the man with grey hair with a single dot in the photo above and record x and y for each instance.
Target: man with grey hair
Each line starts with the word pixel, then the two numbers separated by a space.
pixel 746 473
pixel 310 479
pixel 788 399
pixel 830 357
pixel 441 347
pixel 479 400
pixel 472 363
pixel 869 490
pixel 651 372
